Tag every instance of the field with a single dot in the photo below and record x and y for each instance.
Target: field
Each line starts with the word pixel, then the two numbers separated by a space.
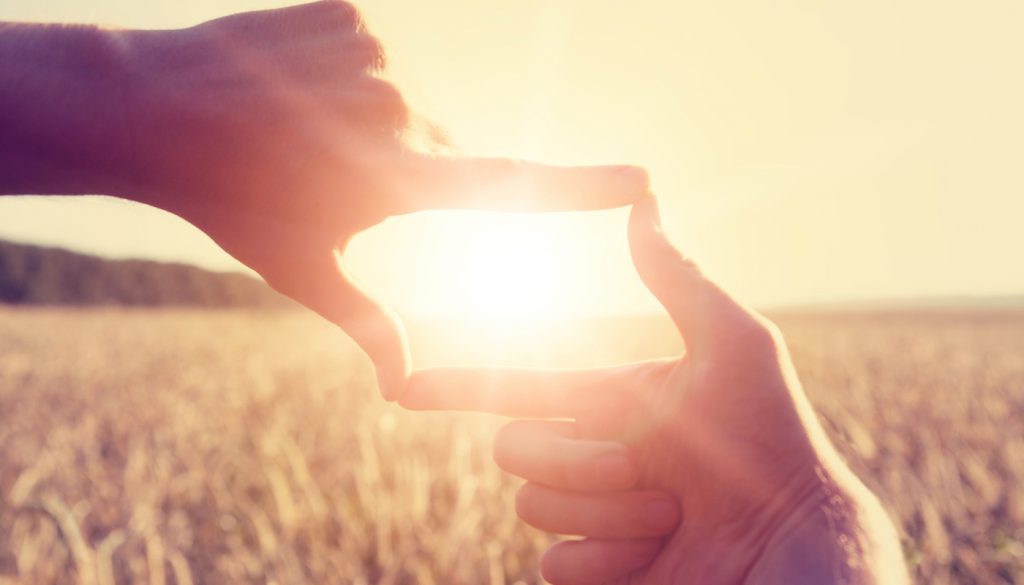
pixel 183 447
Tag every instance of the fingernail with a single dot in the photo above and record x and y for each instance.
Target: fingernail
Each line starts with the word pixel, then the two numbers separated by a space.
pixel 660 513
pixel 614 468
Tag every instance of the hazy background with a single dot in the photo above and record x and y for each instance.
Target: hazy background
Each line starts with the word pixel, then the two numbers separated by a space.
pixel 176 431
pixel 804 151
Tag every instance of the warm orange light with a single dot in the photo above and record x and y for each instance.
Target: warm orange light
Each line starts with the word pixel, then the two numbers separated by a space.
pixel 509 271
pixel 503 271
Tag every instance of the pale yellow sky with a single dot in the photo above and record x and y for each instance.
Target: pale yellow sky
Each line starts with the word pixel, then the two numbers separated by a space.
pixel 804 151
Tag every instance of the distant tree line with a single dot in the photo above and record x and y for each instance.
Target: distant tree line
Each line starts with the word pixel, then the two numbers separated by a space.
pixel 34 275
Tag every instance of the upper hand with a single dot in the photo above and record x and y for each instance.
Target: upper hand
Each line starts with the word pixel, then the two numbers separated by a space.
pixel 726 429
pixel 272 132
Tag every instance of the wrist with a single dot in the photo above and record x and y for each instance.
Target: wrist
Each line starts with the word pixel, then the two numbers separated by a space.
pixel 158 89
pixel 838 533
pixel 62 105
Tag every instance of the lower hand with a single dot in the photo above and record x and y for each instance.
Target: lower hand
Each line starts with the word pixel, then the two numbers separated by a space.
pixel 726 430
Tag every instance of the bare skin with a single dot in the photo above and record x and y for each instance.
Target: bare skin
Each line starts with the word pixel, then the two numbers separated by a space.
pixel 272 132
pixel 726 430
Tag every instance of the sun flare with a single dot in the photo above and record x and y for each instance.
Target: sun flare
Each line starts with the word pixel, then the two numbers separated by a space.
pixel 508 271
pixel 499 270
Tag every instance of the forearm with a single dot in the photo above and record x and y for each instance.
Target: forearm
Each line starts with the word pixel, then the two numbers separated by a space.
pixel 63 115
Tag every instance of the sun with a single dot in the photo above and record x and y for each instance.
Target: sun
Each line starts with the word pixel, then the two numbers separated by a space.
pixel 509 270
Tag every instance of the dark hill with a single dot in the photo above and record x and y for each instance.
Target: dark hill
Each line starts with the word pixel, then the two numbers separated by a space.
pixel 33 275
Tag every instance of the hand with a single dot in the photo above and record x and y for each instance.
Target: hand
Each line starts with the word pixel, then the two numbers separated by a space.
pixel 726 429
pixel 271 132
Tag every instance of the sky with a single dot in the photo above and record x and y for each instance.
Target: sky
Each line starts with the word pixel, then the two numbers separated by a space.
pixel 803 151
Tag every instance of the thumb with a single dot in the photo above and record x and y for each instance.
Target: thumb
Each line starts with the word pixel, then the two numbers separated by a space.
pixel 322 285
pixel 690 299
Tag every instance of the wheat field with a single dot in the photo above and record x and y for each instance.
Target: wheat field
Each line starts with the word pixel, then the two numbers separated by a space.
pixel 181 447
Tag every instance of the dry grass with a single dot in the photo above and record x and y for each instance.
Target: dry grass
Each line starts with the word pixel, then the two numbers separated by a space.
pixel 224 447
pixel 928 410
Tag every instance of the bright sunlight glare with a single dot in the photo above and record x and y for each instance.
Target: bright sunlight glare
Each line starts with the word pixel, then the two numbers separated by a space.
pixel 509 271
pixel 502 270
pixel 541 290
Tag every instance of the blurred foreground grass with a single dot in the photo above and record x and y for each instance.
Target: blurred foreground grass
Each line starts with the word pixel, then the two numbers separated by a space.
pixel 231 447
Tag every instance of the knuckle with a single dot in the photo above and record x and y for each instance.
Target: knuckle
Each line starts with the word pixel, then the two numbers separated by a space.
pixel 753 336
pixel 363 47
pixel 339 11
pixel 371 52
pixel 688 265
pixel 390 97
pixel 386 107
pixel 759 333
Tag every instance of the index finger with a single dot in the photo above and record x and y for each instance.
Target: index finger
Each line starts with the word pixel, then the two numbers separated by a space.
pixel 516 392
pixel 511 185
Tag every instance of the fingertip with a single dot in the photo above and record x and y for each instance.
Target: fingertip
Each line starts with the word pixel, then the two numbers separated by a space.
pixel 600 187
pixel 445 388
pixel 525 500
pixel 413 392
pixel 647 243
pixel 441 389
pixel 647 204
pixel 393 382
pixel 386 344
pixel 634 181
pixel 594 561
pixel 645 225
pixel 555 563
pixel 507 441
